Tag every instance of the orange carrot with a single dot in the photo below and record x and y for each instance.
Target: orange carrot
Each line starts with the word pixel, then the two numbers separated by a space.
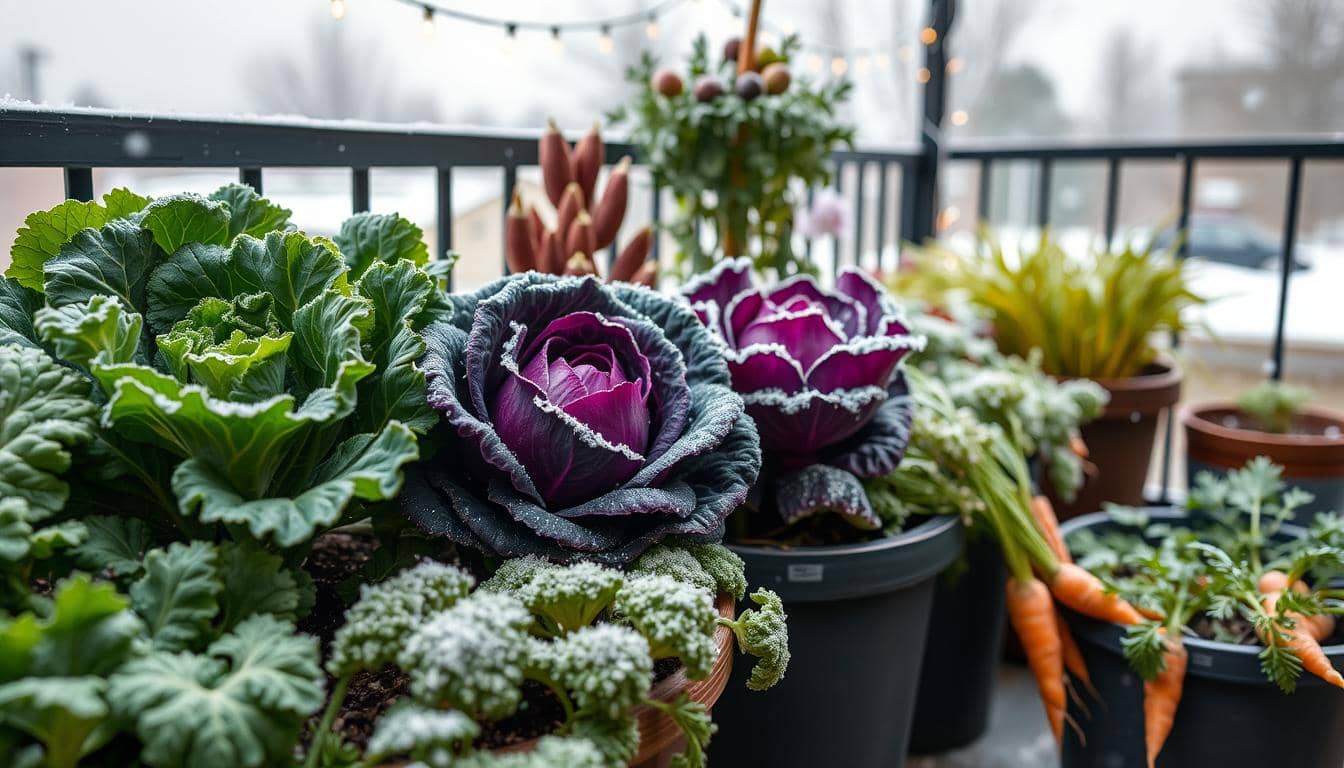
pixel 1161 695
pixel 1044 513
pixel 1080 590
pixel 1032 614
pixel 1272 584
pixel 1073 657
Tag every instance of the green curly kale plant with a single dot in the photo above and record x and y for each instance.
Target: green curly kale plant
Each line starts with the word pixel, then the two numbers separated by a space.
pixel 587 633
pixel 249 381
pixel 1274 405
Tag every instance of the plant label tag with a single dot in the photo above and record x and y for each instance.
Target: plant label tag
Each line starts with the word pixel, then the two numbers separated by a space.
pixel 806 572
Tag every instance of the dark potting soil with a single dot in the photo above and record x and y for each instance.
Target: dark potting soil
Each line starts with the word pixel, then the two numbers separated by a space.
pixel 335 557
pixel 1300 427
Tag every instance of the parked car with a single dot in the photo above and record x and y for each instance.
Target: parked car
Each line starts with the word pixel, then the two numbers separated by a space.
pixel 1232 239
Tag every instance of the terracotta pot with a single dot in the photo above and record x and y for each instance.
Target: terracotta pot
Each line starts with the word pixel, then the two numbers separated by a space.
pixel 1313 461
pixel 1120 443
pixel 659 738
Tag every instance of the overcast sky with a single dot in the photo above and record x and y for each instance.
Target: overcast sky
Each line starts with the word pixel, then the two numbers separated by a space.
pixel 197 56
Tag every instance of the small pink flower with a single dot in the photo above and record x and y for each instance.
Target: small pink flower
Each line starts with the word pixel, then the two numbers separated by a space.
pixel 829 216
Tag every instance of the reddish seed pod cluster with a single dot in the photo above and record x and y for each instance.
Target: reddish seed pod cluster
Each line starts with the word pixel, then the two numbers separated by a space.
pixel 584 222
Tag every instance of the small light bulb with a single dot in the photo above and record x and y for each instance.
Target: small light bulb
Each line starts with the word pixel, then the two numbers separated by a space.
pixel 509 43
pixel 922 76
pixel 861 64
pixel 427 23
pixel 883 60
pixel 788 28
pixel 928 35
pixel 839 66
pixel 557 45
pixel 337 9
pixel 651 29
pixel 905 53
pixel 814 62
pixel 960 117
pixel 604 43
pixel 955 65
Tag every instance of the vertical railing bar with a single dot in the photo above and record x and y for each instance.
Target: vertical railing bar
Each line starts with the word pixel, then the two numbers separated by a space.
pixel 510 180
pixel 251 177
pixel 1112 199
pixel 79 184
pixel 835 238
pixel 859 168
pixel 909 207
pixel 985 190
pixel 811 198
pixel 1043 193
pixel 882 171
pixel 1183 225
pixel 359 189
pixel 1286 262
pixel 443 198
pixel 655 215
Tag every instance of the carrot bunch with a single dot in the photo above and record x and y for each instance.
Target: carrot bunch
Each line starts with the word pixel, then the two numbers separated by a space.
pixel 584 224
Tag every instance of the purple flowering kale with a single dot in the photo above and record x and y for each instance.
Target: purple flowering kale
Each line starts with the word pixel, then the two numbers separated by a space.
pixel 579 421
pixel 819 371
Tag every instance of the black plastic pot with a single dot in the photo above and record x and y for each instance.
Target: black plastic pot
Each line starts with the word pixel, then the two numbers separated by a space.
pixel 858 616
pixel 1229 715
pixel 961 655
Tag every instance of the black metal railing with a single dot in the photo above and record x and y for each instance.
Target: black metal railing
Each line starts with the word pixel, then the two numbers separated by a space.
pixel 1047 156
pixel 80 141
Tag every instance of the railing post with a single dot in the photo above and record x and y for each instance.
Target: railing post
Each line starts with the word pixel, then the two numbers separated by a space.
pixel 924 208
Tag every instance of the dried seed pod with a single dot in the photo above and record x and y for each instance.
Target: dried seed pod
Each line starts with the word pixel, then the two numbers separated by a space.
pixel 647 275
pixel 580 237
pixel 609 213
pixel 537 230
pixel 571 202
pixel 553 155
pixel 518 250
pixel 552 253
pixel 586 161
pixel 632 256
pixel 580 264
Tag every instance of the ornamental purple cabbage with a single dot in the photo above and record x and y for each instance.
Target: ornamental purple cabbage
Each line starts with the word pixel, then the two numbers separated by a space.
pixel 579 421
pixel 819 371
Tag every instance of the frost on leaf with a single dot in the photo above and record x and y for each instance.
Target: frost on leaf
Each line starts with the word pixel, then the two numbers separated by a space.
pixel 821 488
pixel 421 733
pixel 764 632
pixel 388 612
pixel 470 656
pixel 677 619
pixel 677 563
pixel 606 668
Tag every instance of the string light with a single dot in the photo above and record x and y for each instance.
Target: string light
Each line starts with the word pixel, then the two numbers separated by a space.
pixel 337 9
pixel 510 40
pixel 651 29
pixel 839 66
pixel 922 75
pixel 557 45
pixel 427 22
pixel 960 117
pixel 788 28
pixel 955 65
pixel 861 64
pixel 604 43
pixel 814 62
pixel 883 60
pixel 928 35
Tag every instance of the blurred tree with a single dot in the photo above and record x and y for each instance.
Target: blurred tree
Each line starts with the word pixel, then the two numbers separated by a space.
pixel 340 76
pixel 1305 43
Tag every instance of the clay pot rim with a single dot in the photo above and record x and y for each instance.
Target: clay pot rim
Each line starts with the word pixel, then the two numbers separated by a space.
pixel 1155 388
pixel 1162 372
pixel 706 691
pixel 1196 417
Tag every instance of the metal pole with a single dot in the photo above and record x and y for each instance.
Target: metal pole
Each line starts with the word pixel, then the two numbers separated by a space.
pixel 925 207
pixel 1286 263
